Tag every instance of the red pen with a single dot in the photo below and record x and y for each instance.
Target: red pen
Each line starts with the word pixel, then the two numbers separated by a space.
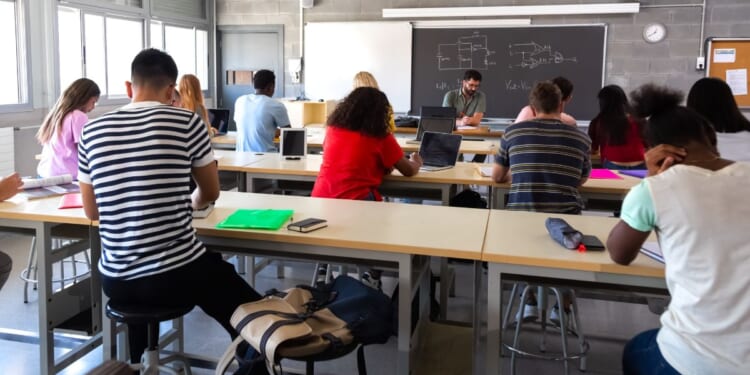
pixel 581 248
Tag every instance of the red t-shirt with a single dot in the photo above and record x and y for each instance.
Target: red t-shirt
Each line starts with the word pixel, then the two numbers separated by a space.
pixel 631 151
pixel 354 164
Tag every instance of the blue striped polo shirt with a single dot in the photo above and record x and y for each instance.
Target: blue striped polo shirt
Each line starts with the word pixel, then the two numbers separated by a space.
pixel 138 160
pixel 547 160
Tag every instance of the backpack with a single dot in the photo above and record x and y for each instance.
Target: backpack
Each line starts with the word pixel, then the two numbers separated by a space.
pixel 468 198
pixel 303 322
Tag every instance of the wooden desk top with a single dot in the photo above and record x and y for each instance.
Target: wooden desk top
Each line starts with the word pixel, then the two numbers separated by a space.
pixel 616 186
pixel 481 131
pixel 378 226
pixel 517 237
pixel 226 139
pixel 43 209
pixel 230 160
pixel 462 173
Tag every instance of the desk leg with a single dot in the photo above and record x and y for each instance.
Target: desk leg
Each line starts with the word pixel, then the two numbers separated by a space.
pixel 494 308
pixel 242 182
pixel 445 281
pixel 498 199
pixel 46 334
pixel 476 319
pixel 404 313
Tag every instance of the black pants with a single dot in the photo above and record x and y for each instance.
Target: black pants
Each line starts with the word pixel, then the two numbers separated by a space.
pixel 208 282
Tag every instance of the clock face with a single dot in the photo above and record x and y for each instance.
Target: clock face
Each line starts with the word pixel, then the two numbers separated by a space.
pixel 654 33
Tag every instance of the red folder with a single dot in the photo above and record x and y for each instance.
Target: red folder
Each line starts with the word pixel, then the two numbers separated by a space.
pixel 72 200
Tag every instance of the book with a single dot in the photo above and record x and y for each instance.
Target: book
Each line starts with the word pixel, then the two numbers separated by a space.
pixel 256 219
pixel 307 225
pixel 72 200
pixel 35 188
pixel 640 173
pixel 603 174
pixel 652 250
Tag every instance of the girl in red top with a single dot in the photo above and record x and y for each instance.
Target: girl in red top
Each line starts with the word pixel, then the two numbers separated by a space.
pixel 615 134
pixel 359 148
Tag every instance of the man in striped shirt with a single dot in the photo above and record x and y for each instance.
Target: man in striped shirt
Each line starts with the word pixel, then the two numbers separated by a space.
pixel 135 166
pixel 545 159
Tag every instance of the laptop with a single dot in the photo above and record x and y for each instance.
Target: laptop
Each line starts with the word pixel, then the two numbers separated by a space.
pixel 293 143
pixel 439 151
pixel 219 119
pixel 442 112
pixel 435 125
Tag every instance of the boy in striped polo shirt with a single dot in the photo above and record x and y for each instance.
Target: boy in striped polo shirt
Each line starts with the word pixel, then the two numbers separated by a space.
pixel 135 166
pixel 546 161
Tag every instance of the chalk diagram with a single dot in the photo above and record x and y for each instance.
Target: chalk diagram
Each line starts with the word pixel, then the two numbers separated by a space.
pixel 469 52
pixel 533 55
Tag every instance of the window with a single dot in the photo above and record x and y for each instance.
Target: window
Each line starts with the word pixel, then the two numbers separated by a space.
pixel 188 47
pixel 97 47
pixel 13 68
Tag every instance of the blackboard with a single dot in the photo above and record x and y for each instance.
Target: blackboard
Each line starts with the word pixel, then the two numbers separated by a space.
pixel 510 59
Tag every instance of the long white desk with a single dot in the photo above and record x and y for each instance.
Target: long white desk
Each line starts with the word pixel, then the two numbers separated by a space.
pixel 517 243
pixel 56 306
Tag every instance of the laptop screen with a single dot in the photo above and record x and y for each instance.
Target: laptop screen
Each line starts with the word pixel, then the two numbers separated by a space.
pixel 435 124
pixel 442 112
pixel 439 149
pixel 293 142
pixel 219 119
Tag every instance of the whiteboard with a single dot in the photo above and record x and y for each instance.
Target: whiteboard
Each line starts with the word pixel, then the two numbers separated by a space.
pixel 336 51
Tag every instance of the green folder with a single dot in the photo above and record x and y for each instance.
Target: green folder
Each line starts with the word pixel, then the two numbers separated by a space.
pixel 256 219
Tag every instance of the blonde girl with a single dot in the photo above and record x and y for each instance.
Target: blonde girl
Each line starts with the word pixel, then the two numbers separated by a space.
pixel 192 98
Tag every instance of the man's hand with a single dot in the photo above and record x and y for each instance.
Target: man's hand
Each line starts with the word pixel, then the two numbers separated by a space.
pixel 9 186
pixel 662 157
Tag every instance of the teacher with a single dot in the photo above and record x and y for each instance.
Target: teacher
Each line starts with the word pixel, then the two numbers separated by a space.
pixel 469 102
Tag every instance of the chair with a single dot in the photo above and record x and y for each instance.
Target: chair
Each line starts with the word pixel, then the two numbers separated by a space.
pixel 6 264
pixel 151 316
pixel 575 329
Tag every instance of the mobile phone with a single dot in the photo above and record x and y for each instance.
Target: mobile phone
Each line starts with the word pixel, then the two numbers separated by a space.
pixel 592 242
pixel 307 225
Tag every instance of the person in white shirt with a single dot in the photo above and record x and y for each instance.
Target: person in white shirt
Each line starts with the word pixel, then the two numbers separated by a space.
pixel 705 243
pixel 712 98
pixel 566 87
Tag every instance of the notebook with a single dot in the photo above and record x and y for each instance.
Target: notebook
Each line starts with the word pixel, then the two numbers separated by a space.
pixel 256 219
pixel 72 200
pixel 439 151
pixel 35 188
pixel 435 125
pixel 219 119
pixel 640 173
pixel 604 174
pixel 653 251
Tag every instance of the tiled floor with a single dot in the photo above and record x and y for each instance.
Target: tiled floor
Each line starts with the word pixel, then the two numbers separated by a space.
pixel 607 324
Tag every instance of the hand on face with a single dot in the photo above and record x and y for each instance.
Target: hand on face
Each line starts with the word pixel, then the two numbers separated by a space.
pixel 662 157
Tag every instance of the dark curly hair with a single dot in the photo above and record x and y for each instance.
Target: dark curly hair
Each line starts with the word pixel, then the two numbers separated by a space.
pixel 668 121
pixel 365 110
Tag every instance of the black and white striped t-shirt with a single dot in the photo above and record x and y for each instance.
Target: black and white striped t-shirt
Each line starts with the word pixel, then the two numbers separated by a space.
pixel 138 160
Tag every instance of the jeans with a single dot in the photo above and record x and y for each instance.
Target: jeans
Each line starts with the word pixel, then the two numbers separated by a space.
pixel 643 357
pixel 609 165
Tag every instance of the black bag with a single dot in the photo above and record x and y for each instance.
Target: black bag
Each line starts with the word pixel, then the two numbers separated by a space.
pixel 468 198
pixel 406 122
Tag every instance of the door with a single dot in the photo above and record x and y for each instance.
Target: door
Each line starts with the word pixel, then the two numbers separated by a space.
pixel 248 48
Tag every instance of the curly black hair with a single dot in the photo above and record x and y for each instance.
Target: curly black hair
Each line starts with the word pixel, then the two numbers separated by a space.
pixel 668 121
pixel 365 110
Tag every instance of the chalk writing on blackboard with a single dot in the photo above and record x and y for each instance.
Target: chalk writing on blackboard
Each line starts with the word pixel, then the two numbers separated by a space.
pixel 469 52
pixel 514 85
pixel 532 55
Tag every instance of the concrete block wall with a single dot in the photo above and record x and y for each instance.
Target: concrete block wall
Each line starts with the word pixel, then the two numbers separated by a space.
pixel 630 60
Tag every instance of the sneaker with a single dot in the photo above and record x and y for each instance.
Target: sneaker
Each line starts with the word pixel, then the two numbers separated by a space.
pixel 554 317
pixel 372 279
pixel 530 313
pixel 322 274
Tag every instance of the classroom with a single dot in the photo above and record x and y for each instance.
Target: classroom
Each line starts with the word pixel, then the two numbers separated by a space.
pixel 474 284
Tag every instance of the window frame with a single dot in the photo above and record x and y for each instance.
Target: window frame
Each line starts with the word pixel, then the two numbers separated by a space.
pixel 23 57
pixel 195 28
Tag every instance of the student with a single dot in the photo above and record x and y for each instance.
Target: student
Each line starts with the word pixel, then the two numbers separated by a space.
pixel 61 130
pixel 359 149
pixel 545 161
pixel 366 79
pixel 191 98
pixel 135 169
pixel 614 133
pixel 712 98
pixel 258 116
pixel 176 99
pixel 469 102
pixel 566 88
pixel 704 241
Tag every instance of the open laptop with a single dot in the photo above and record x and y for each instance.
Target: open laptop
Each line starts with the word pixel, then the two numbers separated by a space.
pixel 439 151
pixel 435 125
pixel 442 112
pixel 219 119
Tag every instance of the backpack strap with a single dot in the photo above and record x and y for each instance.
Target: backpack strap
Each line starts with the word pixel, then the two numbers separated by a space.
pixel 273 328
pixel 252 316
pixel 228 356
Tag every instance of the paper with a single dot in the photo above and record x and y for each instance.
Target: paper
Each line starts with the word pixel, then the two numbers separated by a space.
pixel 737 81
pixel 485 171
pixel 652 250
pixel 466 127
pixel 640 173
pixel 725 55
pixel 32 183
pixel 603 174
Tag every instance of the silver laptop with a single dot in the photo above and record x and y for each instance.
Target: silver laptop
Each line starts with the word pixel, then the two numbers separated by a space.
pixel 433 124
pixel 439 150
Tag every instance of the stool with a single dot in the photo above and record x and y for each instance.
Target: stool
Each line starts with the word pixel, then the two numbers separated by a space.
pixel 576 329
pixel 151 316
